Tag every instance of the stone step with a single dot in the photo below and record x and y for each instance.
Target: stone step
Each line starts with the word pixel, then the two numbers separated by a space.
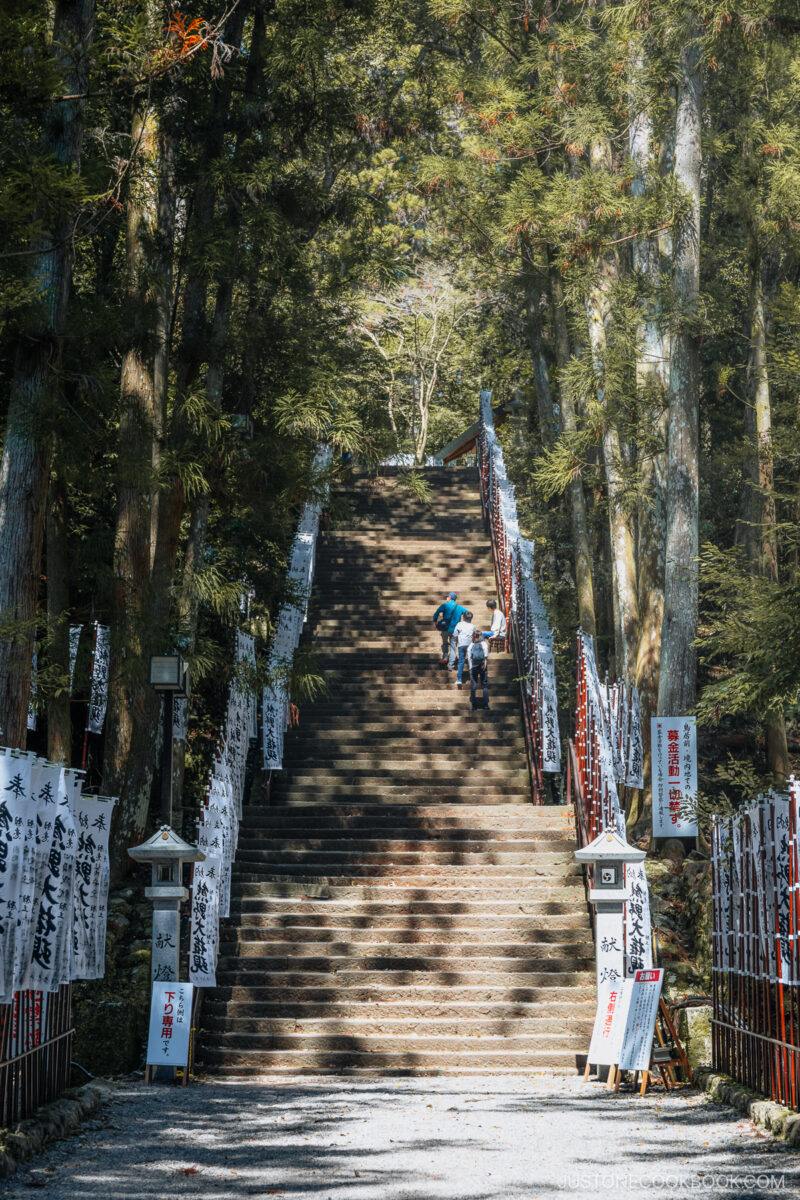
pixel 371 1062
pixel 413 964
pixel 423 874
pixel 257 896
pixel 418 850
pixel 355 795
pixel 391 1017
pixel 393 837
pixel 406 775
pixel 352 829
pixel 382 1043
pixel 249 883
pixel 289 1070
pixel 473 998
pixel 237 1029
pixel 301 953
pixel 401 750
pixel 425 816
pixel 439 769
pixel 366 697
pixel 358 926
pixel 234 975
pixel 338 937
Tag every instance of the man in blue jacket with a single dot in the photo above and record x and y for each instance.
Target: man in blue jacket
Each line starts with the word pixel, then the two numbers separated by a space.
pixel 446 617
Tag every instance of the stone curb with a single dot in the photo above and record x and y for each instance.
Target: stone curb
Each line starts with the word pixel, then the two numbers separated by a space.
pixel 767 1114
pixel 57 1120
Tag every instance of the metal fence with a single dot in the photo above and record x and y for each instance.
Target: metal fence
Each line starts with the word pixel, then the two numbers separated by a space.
pixel 35 1051
pixel 756 951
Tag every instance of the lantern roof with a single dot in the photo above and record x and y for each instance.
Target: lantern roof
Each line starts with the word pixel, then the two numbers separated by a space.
pixel 166 846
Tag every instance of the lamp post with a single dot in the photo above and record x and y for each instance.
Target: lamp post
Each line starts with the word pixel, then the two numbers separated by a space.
pixel 169 676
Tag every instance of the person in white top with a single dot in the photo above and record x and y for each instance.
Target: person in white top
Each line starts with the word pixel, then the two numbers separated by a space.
pixel 499 625
pixel 478 663
pixel 463 634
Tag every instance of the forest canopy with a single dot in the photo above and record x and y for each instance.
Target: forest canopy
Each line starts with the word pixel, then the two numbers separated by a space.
pixel 234 230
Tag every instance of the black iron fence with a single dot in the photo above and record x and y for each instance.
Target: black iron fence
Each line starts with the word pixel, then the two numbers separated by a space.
pixel 756 963
pixel 35 1051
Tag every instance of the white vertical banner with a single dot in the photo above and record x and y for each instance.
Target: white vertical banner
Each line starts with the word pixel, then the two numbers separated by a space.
pixel 34 691
pixel 15 790
pixel 74 641
pixel 289 626
pixel 90 895
pixel 635 757
pixel 204 936
pixel 783 888
pixel 99 694
pixel 638 936
pixel 674 753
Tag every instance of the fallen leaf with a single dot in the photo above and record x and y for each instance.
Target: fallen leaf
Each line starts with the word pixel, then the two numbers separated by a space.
pixel 190 1171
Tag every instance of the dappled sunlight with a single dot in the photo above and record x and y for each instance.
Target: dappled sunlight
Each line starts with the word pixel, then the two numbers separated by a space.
pixel 486 1138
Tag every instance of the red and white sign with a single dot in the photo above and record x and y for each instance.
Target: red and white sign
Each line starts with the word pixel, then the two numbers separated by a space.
pixel 609 1023
pixel 674 752
pixel 637 1038
pixel 170 1024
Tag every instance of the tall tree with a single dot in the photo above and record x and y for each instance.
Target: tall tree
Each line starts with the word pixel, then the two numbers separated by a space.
pixel 678 676
pixel 27 444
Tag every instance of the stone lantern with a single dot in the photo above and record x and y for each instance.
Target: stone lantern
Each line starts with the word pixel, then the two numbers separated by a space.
pixel 608 854
pixel 166 852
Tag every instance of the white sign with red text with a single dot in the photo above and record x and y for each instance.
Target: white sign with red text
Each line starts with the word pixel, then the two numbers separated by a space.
pixel 170 1024
pixel 637 1039
pixel 674 752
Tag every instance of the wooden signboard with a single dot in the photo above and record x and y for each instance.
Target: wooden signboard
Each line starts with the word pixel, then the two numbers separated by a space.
pixel 640 1021
pixel 170 1026
pixel 609 1025
pixel 674 742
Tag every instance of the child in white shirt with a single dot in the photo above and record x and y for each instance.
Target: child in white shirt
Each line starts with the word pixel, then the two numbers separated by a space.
pixel 463 634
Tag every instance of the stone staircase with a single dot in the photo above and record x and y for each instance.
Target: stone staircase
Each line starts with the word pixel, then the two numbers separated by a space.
pixel 401 906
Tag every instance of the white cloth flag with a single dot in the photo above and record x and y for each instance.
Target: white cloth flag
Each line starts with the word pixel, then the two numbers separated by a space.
pixel 638 936
pixel 90 894
pixel 99 694
pixel 289 626
pixel 40 927
pixel 218 832
pixel 526 602
pixel 611 812
pixel 635 756
pixel 15 787
pixel 74 641
pixel 34 690
pixel 204 936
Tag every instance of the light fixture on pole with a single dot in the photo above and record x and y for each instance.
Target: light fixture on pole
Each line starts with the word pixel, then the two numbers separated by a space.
pixel 169 676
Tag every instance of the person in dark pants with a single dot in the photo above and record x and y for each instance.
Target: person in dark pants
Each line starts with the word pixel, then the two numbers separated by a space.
pixel 478 662
pixel 462 636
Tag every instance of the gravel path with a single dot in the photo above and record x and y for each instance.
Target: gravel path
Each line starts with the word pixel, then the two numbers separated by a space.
pixel 499 1138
